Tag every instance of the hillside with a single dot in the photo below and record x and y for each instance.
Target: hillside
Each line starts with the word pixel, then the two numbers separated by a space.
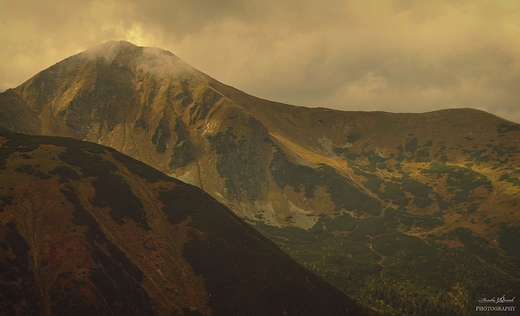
pixel 86 230
pixel 386 206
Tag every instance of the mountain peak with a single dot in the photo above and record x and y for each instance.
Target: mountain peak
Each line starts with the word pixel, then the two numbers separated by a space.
pixel 118 43
pixel 110 49
pixel 156 61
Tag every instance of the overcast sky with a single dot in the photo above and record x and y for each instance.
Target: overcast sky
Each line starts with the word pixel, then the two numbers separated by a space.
pixel 389 55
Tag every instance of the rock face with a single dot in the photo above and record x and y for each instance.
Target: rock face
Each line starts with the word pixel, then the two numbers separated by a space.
pixel 86 230
pixel 422 205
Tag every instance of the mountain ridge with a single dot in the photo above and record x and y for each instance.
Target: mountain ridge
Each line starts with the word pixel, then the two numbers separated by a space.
pixel 313 180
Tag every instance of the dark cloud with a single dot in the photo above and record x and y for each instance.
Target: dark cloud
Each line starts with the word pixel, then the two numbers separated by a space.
pixel 401 55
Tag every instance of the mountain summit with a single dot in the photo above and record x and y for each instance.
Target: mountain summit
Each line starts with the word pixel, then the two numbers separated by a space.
pixel 422 205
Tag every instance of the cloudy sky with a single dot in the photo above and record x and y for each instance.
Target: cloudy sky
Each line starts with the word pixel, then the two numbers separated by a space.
pixel 389 55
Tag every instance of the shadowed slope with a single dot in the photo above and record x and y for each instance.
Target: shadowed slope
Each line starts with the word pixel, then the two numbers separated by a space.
pixel 86 230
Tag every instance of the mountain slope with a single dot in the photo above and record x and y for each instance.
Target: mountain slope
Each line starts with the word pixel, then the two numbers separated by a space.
pixel 86 230
pixel 356 196
pixel 150 105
